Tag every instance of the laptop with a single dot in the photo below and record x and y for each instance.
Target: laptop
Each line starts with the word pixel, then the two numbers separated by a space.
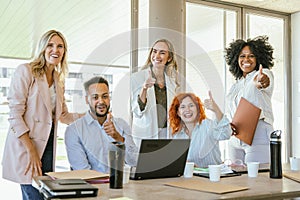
pixel 161 158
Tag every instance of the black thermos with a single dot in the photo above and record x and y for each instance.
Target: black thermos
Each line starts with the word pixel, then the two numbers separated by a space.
pixel 116 164
pixel 275 152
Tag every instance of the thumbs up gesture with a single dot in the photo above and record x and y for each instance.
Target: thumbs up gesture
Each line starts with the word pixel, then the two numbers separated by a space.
pixel 261 80
pixel 150 81
pixel 110 129
pixel 210 104
pixel 109 116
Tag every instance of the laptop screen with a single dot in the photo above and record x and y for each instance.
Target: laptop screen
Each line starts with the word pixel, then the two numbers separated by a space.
pixel 161 158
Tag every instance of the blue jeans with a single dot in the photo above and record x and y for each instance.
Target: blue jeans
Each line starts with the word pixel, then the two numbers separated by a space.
pixel 30 193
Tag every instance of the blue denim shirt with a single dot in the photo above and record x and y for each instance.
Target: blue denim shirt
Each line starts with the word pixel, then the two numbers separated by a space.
pixel 204 147
pixel 87 144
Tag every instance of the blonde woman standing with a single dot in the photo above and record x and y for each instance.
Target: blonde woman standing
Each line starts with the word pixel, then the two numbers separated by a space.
pixel 36 103
pixel 153 89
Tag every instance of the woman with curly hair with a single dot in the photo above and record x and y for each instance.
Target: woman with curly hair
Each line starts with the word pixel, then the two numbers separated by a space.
pixel 153 88
pixel 36 103
pixel 188 120
pixel 250 63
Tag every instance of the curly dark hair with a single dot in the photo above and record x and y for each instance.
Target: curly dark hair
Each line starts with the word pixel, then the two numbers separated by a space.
pixel 259 46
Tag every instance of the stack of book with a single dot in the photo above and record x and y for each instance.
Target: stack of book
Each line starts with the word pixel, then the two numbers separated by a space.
pixel 69 184
pixel 67 188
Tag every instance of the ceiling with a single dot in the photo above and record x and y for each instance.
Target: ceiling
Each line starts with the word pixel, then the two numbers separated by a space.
pixel 85 23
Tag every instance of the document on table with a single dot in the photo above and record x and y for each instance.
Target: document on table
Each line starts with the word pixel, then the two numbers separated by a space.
pixel 206 186
pixel 294 175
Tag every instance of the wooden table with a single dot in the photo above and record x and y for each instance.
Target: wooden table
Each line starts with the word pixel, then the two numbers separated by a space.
pixel 261 187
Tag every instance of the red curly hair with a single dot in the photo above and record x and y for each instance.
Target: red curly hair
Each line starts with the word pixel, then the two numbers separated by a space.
pixel 175 121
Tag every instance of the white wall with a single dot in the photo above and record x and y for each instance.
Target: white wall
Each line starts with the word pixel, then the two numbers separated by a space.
pixel 295 28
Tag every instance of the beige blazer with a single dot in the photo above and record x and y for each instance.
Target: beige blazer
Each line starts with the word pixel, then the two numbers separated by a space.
pixel 30 110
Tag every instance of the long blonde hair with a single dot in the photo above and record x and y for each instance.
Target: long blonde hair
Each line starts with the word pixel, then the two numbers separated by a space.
pixel 38 64
pixel 171 68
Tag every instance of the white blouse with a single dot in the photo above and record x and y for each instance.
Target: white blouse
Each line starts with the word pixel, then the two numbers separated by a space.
pixel 53 98
pixel 245 87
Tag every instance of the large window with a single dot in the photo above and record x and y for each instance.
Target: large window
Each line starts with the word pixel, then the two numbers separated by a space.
pixel 206 70
pixel 218 27
pixel 273 26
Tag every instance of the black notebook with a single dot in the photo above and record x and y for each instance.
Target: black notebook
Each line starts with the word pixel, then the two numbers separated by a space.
pixel 67 188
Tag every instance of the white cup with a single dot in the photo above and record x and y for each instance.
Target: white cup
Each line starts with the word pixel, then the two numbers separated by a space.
pixel 295 163
pixel 214 172
pixel 188 170
pixel 252 168
pixel 126 173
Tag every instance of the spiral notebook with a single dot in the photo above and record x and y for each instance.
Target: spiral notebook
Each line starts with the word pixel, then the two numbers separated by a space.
pixel 245 120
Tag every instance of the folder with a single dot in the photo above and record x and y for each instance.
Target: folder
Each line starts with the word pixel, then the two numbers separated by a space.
pixel 67 188
pixel 245 120
pixel 206 186
pixel 91 176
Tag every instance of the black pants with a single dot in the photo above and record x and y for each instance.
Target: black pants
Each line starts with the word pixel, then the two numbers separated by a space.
pixel 47 158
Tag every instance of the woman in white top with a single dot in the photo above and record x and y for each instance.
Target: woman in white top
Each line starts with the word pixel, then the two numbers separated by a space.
pixel 250 63
pixel 153 89
pixel 188 120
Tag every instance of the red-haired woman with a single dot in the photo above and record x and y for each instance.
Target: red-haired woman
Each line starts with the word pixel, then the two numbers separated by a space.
pixel 188 120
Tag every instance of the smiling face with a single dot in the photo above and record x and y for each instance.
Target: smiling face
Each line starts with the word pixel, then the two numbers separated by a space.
pixel 160 55
pixel 98 99
pixel 187 110
pixel 54 51
pixel 247 60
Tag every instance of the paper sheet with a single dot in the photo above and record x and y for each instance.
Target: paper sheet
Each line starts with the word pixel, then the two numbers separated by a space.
pixel 294 175
pixel 205 186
